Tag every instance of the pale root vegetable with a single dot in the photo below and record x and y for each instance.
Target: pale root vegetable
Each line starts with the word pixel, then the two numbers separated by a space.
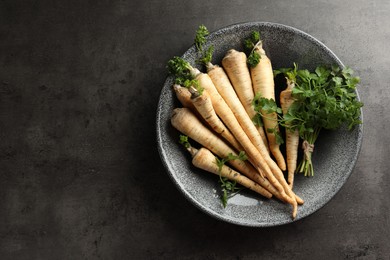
pixel 204 106
pixel 263 84
pixel 183 95
pixel 282 197
pixel 235 66
pixel 299 199
pixel 188 124
pixel 292 136
pixel 280 177
pixel 205 160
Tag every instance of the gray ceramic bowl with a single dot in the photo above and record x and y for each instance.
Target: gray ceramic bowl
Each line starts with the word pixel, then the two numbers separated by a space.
pixel 335 154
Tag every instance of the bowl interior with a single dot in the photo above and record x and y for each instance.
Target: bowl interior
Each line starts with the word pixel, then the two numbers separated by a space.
pixel 335 152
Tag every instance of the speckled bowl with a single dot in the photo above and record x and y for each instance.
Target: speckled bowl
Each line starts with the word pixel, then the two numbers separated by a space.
pixel 335 154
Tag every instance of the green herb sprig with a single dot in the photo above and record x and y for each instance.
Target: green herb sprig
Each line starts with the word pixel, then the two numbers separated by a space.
pixel 183 73
pixel 229 188
pixel 257 120
pixel 249 46
pixel 205 56
pixel 221 162
pixel 264 106
pixel 183 139
pixel 200 38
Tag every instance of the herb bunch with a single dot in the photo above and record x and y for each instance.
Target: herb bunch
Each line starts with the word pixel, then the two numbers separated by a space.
pixel 324 99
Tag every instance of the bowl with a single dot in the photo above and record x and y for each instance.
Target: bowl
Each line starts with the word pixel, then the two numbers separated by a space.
pixel 334 157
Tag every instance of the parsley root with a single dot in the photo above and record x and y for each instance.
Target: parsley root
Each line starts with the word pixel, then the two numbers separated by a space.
pixel 263 84
pixel 184 96
pixel 292 135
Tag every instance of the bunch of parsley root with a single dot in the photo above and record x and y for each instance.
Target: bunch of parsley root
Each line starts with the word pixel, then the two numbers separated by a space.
pixel 231 124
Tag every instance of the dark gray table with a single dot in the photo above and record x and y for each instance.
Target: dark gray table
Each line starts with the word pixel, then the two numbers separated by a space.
pixel 81 177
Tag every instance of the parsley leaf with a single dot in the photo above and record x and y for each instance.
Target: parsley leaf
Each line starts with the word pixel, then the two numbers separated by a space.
pixel 181 69
pixel 221 162
pixel 249 46
pixel 228 187
pixel 278 135
pixel 200 37
pixel 257 120
pixel 253 59
pixel 184 141
pixel 205 56
pixel 262 104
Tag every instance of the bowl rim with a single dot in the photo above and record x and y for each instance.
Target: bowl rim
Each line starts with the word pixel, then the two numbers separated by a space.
pixel 209 211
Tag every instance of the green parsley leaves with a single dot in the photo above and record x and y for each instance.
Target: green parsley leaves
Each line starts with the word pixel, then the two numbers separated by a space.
pixel 183 139
pixel 229 189
pixel 200 37
pixel 200 40
pixel 181 70
pixel 221 162
pixel 249 46
pixel 264 106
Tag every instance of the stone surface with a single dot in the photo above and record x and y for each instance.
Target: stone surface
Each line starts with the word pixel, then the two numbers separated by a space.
pixel 81 177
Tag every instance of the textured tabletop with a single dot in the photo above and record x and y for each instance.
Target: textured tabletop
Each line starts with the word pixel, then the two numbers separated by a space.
pixel 81 177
